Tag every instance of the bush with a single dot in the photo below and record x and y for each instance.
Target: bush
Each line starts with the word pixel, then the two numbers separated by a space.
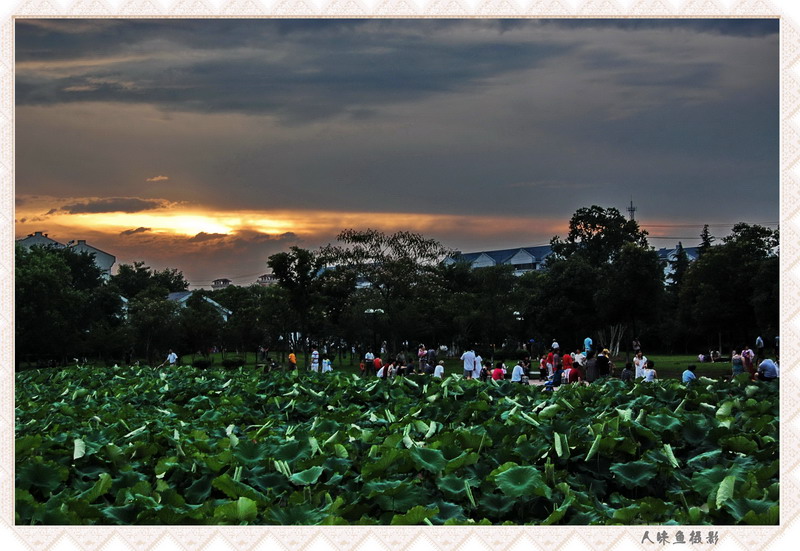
pixel 234 362
pixel 201 363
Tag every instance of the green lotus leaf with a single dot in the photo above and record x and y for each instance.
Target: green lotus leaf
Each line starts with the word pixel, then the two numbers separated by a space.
pixel 234 489
pixel 293 451
pixel 239 511
pixel 250 453
pixel 495 504
pixel 415 515
pixel 428 459
pixel 634 473
pixel 739 444
pixel 662 423
pixel 453 486
pixel 522 481
pixel 45 476
pixel 102 486
pixel 199 490
pixel 308 476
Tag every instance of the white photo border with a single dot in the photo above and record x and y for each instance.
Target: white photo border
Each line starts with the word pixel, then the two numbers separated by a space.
pixel 451 538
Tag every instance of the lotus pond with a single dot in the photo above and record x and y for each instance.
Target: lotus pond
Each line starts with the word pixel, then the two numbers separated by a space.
pixel 98 445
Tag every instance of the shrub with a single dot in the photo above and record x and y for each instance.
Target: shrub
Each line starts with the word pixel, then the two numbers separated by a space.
pixel 233 362
pixel 201 363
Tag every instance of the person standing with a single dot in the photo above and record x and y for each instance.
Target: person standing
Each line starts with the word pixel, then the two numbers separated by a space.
pixel 749 363
pixel 517 373
pixel 639 363
pixel 327 367
pixel 587 345
pixel 172 358
pixel 604 364
pixel 369 358
pixel 422 355
pixel 468 358
pixel 636 346
pixel 759 348
pixel 737 363
pixel 476 371
pixel 292 360
pixel 314 359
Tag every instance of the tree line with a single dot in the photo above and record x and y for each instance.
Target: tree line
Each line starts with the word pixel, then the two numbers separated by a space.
pixel 369 288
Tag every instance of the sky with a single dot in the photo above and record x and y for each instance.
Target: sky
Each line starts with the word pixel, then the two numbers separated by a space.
pixel 208 145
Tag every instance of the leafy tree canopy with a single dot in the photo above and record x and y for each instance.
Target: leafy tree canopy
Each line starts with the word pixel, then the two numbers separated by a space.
pixel 598 234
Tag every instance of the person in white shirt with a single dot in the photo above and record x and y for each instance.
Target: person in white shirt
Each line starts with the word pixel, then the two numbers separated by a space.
pixel 439 371
pixel 314 359
pixel 468 358
pixel 476 372
pixel 172 358
pixel 650 373
pixel 639 363
pixel 516 375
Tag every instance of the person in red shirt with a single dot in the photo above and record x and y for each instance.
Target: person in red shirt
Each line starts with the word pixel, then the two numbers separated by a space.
pixel 377 363
pixel 499 372
pixel 575 374
pixel 566 361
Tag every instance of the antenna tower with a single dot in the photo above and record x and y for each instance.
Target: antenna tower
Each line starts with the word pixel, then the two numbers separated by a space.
pixel 631 209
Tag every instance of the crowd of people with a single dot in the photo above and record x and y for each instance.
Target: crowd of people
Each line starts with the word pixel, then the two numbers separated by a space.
pixel 555 367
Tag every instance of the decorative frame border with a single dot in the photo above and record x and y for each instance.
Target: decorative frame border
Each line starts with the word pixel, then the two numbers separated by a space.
pixel 284 538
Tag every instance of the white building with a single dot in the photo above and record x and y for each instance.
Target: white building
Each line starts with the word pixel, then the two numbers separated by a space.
pixel 102 259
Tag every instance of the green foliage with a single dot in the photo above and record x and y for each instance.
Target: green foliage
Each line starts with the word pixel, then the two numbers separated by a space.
pixel 184 446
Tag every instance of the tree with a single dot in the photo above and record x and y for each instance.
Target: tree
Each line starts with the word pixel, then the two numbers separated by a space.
pixel 297 272
pixel 63 307
pixel 706 240
pixel 724 286
pixel 154 321
pixel 678 266
pixel 598 234
pixel 136 278
pixel 399 268
pixel 629 291
pixel 200 324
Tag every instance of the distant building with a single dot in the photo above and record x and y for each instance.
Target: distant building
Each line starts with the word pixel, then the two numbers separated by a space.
pixel 266 280
pixel 220 283
pixel 102 259
pixel 523 259
pixel 528 259
pixel 670 255
pixel 181 297
pixel 39 238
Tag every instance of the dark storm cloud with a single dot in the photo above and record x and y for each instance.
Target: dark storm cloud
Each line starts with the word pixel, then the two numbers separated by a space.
pixel 140 229
pixel 249 69
pixel 728 27
pixel 112 204
pixel 203 236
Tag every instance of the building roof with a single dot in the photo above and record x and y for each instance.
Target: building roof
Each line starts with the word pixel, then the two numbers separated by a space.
pixel 502 256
